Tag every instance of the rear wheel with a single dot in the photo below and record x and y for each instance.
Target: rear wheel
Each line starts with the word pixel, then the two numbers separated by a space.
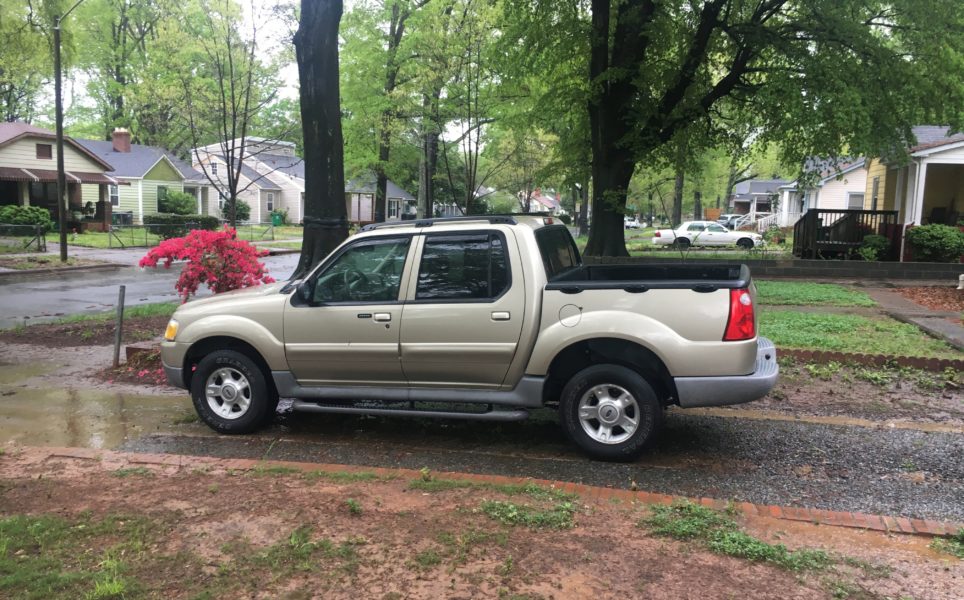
pixel 682 243
pixel 231 394
pixel 611 412
pixel 745 243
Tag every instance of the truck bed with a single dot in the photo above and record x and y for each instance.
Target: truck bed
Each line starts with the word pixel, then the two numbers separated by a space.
pixel 701 277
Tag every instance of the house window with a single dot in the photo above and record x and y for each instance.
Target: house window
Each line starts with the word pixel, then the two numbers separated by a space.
pixel 855 201
pixel 270 201
pixel 221 200
pixel 114 192
pixel 45 151
pixel 161 192
pixel 393 208
pixel 874 193
pixel 214 168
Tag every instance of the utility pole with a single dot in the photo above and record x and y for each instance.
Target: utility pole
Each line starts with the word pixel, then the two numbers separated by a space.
pixel 59 117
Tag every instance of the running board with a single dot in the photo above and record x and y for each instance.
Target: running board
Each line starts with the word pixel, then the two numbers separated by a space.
pixel 492 415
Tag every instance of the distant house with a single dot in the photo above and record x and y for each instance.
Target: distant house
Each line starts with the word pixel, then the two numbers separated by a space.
pixel 755 196
pixel 360 199
pixel 272 177
pixel 28 171
pixel 927 189
pixel 546 202
pixel 144 175
pixel 834 184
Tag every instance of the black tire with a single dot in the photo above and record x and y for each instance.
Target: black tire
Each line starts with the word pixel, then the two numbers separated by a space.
pixel 255 401
pixel 745 243
pixel 613 378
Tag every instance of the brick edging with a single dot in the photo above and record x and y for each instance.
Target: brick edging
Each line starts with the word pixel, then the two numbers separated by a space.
pixel 874 360
pixel 588 493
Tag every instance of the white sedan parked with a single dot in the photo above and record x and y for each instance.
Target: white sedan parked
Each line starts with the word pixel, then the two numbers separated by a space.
pixel 706 233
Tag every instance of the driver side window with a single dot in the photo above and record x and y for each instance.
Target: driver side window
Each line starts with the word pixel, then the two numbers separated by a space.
pixel 369 271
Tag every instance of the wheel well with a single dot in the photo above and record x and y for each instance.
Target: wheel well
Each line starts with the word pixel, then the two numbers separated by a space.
pixel 202 348
pixel 608 351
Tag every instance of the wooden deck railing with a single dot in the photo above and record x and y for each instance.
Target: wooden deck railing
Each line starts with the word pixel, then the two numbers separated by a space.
pixel 824 233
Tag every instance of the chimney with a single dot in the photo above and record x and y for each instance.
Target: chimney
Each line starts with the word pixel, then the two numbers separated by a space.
pixel 121 139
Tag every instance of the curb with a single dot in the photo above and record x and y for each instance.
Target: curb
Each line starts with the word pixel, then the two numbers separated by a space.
pixel 588 493
pixel 104 267
pixel 873 360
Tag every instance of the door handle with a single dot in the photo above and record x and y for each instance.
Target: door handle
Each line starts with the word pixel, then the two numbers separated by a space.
pixel 501 315
pixel 383 317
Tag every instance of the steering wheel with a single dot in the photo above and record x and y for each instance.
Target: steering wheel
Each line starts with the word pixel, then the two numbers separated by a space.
pixel 355 280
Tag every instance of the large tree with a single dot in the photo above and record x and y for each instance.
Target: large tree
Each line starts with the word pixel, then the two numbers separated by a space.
pixel 819 76
pixel 316 48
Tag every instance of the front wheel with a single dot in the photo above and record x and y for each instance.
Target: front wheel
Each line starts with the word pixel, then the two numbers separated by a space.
pixel 611 412
pixel 230 393
pixel 745 243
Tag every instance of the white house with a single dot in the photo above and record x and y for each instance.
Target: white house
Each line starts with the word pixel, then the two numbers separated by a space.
pixel 272 177
pixel 836 184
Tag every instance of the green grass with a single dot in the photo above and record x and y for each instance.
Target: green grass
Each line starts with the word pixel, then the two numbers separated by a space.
pixel 951 545
pixel 285 245
pixel 133 472
pixel 156 309
pixel 44 557
pixel 557 516
pixel 344 476
pixel 128 237
pixel 720 534
pixel 809 294
pixel 850 333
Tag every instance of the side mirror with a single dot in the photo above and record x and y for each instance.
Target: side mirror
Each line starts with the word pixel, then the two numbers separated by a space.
pixel 306 290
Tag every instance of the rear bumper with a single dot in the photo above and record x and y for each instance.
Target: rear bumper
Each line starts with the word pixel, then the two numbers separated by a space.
pixel 721 391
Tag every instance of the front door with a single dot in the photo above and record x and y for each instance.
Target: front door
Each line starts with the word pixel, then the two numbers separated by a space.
pixel 463 316
pixel 342 327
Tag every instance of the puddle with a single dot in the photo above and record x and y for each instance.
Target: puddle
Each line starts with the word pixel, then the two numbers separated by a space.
pixel 762 415
pixel 86 418
pixel 14 374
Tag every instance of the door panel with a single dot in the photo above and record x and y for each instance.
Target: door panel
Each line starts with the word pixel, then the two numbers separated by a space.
pixel 347 332
pixel 463 317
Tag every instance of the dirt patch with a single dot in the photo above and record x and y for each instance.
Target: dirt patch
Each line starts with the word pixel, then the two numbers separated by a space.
pixel 206 529
pixel 947 299
pixel 872 393
pixel 89 332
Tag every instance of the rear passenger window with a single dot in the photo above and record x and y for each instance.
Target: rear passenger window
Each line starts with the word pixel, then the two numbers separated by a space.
pixel 463 267
pixel 696 227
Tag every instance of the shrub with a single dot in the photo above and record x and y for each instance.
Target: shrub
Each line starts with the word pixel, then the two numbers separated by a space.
pixel 177 203
pixel 936 243
pixel 242 212
pixel 873 247
pixel 215 258
pixel 25 215
pixel 173 226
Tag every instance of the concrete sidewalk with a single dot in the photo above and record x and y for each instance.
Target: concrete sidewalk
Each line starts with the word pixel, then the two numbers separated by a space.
pixel 940 324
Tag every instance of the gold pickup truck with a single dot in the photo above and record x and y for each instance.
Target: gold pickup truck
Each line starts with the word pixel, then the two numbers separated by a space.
pixel 477 318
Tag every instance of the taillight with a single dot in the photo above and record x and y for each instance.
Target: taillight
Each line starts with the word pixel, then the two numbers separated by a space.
pixel 657 234
pixel 740 326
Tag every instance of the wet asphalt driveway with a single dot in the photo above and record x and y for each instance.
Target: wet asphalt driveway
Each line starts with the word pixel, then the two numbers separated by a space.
pixel 882 470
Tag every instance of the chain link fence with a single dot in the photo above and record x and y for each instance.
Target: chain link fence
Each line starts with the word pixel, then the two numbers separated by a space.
pixel 24 238
pixel 148 236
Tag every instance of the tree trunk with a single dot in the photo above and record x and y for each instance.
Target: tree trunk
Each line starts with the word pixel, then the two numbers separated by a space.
pixel 678 199
pixel 697 206
pixel 316 49
pixel 584 209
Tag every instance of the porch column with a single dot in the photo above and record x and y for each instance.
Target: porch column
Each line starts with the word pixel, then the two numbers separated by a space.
pixel 918 197
pixel 900 194
pixel 23 190
pixel 197 197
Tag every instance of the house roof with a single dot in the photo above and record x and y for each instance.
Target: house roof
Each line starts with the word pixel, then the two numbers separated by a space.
pixel 365 184
pixel 756 187
pixel 261 180
pixel 139 161
pixel 933 136
pixel 11 132
pixel 289 165
pixel 826 169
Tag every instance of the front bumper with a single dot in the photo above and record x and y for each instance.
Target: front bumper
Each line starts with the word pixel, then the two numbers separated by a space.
pixel 174 375
pixel 721 391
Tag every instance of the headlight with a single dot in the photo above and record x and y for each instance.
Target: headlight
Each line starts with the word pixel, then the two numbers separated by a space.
pixel 171 332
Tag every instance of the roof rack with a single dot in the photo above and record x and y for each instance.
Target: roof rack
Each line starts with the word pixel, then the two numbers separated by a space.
pixel 493 219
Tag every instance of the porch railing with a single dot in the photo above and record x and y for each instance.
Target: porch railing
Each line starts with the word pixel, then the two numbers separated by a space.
pixel 823 233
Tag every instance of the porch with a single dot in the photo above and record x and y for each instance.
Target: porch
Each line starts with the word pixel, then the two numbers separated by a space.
pixel 828 233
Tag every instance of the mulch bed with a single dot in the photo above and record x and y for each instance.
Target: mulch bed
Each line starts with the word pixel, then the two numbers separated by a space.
pixel 949 299
pixel 85 333
pixel 142 368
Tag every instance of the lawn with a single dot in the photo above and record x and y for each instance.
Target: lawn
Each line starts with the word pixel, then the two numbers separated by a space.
pixel 126 237
pixel 809 294
pixel 850 333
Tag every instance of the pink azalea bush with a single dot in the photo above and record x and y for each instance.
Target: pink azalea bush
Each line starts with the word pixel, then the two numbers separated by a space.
pixel 216 258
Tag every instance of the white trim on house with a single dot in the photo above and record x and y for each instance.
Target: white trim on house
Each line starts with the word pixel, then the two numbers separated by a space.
pixel 140 200
pixel 938 149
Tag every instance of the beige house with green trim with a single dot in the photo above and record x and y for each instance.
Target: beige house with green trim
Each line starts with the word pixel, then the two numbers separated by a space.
pixel 145 174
